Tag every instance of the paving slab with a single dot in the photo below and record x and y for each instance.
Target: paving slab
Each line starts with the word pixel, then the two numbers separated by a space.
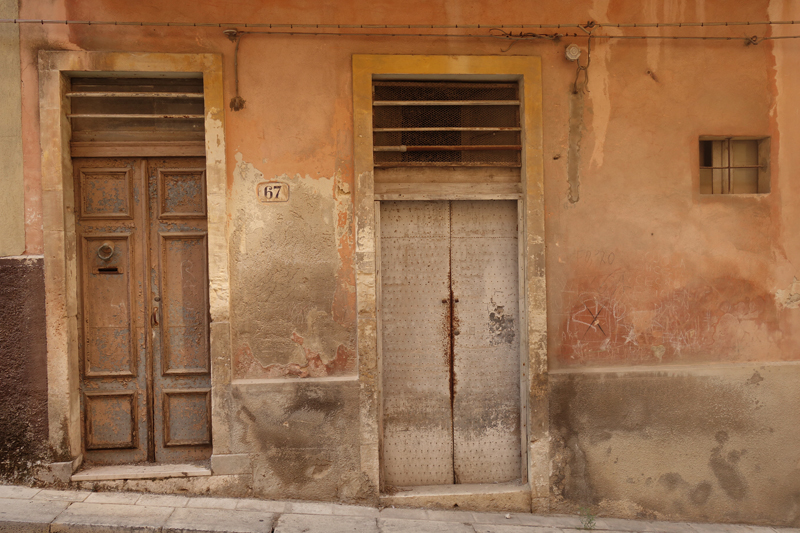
pixel 213 503
pixel 261 506
pixel 26 516
pixel 405 514
pixel 309 508
pixel 118 498
pixel 398 525
pixel 15 491
pixel 110 518
pixel 309 523
pixel 559 521
pixel 502 519
pixel 728 528
pixel 449 516
pixel 163 500
pixel 495 528
pixel 186 520
pixel 355 510
pixel 643 526
pixel 63 495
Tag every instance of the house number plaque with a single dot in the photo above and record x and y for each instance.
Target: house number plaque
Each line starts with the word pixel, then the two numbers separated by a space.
pixel 273 191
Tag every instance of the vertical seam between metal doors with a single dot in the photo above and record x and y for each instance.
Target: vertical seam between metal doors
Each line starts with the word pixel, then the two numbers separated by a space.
pixel 379 344
pixel 523 341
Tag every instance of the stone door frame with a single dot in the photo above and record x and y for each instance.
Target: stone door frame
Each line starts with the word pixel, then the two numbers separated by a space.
pixel 61 283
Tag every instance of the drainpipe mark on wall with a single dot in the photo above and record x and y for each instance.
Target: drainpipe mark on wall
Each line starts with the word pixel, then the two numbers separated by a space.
pixel 574 154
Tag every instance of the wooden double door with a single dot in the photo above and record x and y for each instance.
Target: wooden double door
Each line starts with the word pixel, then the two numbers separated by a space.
pixel 450 342
pixel 143 316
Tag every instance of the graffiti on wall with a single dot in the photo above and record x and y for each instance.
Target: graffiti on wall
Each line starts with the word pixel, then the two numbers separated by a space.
pixel 661 312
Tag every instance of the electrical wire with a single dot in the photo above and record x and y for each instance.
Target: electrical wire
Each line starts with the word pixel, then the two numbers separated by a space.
pixel 528 37
pixel 587 28
pixel 406 26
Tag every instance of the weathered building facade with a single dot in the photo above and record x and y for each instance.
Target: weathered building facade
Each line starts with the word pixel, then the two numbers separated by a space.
pixel 415 254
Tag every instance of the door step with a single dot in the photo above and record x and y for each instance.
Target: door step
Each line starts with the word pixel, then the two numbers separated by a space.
pixel 115 472
pixel 480 497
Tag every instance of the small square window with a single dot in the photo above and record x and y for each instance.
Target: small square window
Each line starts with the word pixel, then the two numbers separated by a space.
pixel 734 165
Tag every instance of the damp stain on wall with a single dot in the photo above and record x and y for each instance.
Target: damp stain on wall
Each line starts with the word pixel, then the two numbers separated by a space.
pixel 666 444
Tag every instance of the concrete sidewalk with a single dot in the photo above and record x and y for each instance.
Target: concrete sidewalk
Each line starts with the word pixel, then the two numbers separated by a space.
pixel 27 509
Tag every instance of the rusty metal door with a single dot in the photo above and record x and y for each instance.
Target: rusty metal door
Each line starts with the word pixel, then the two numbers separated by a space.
pixel 450 342
pixel 141 229
pixel 415 292
pixel 486 395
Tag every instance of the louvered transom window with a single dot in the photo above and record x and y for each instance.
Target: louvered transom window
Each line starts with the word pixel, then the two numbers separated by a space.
pixel 136 109
pixel 433 123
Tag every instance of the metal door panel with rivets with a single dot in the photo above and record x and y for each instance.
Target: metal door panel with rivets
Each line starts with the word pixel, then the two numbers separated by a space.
pixel 417 425
pixel 450 342
pixel 485 285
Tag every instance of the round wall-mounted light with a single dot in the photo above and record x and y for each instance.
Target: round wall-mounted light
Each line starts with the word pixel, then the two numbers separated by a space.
pixel 573 52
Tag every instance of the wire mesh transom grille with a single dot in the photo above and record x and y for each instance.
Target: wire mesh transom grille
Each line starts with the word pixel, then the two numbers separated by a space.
pixel 137 109
pixel 434 123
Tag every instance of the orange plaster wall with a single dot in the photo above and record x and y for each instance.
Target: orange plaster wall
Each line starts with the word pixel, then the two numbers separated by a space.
pixel 670 276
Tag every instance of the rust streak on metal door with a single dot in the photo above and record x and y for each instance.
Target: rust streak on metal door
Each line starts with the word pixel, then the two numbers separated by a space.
pixel 450 342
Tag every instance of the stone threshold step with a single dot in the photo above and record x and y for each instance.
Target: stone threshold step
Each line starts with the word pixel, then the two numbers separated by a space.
pixel 155 471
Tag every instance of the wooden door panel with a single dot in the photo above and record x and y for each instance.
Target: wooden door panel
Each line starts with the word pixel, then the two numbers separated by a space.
pixel 184 300
pixel 107 317
pixel 486 402
pixel 179 299
pixel 142 257
pixel 187 417
pixel 111 420
pixel 417 425
pixel 105 193
pixel 108 198
pixel 181 192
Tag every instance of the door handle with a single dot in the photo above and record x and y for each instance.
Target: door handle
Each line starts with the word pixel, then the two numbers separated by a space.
pixel 154 317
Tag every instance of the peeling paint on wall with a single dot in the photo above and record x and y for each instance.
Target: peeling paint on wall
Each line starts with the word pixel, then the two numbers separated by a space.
pixel 789 298
pixel 292 311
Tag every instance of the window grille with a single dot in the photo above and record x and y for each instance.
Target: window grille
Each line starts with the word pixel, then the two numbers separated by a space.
pixel 734 165
pixel 136 109
pixel 434 123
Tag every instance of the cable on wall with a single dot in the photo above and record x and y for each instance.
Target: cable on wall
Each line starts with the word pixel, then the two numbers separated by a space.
pixel 492 31
pixel 408 26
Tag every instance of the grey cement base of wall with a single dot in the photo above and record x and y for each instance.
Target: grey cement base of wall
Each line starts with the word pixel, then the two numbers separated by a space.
pixel 303 439
pixel 709 444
